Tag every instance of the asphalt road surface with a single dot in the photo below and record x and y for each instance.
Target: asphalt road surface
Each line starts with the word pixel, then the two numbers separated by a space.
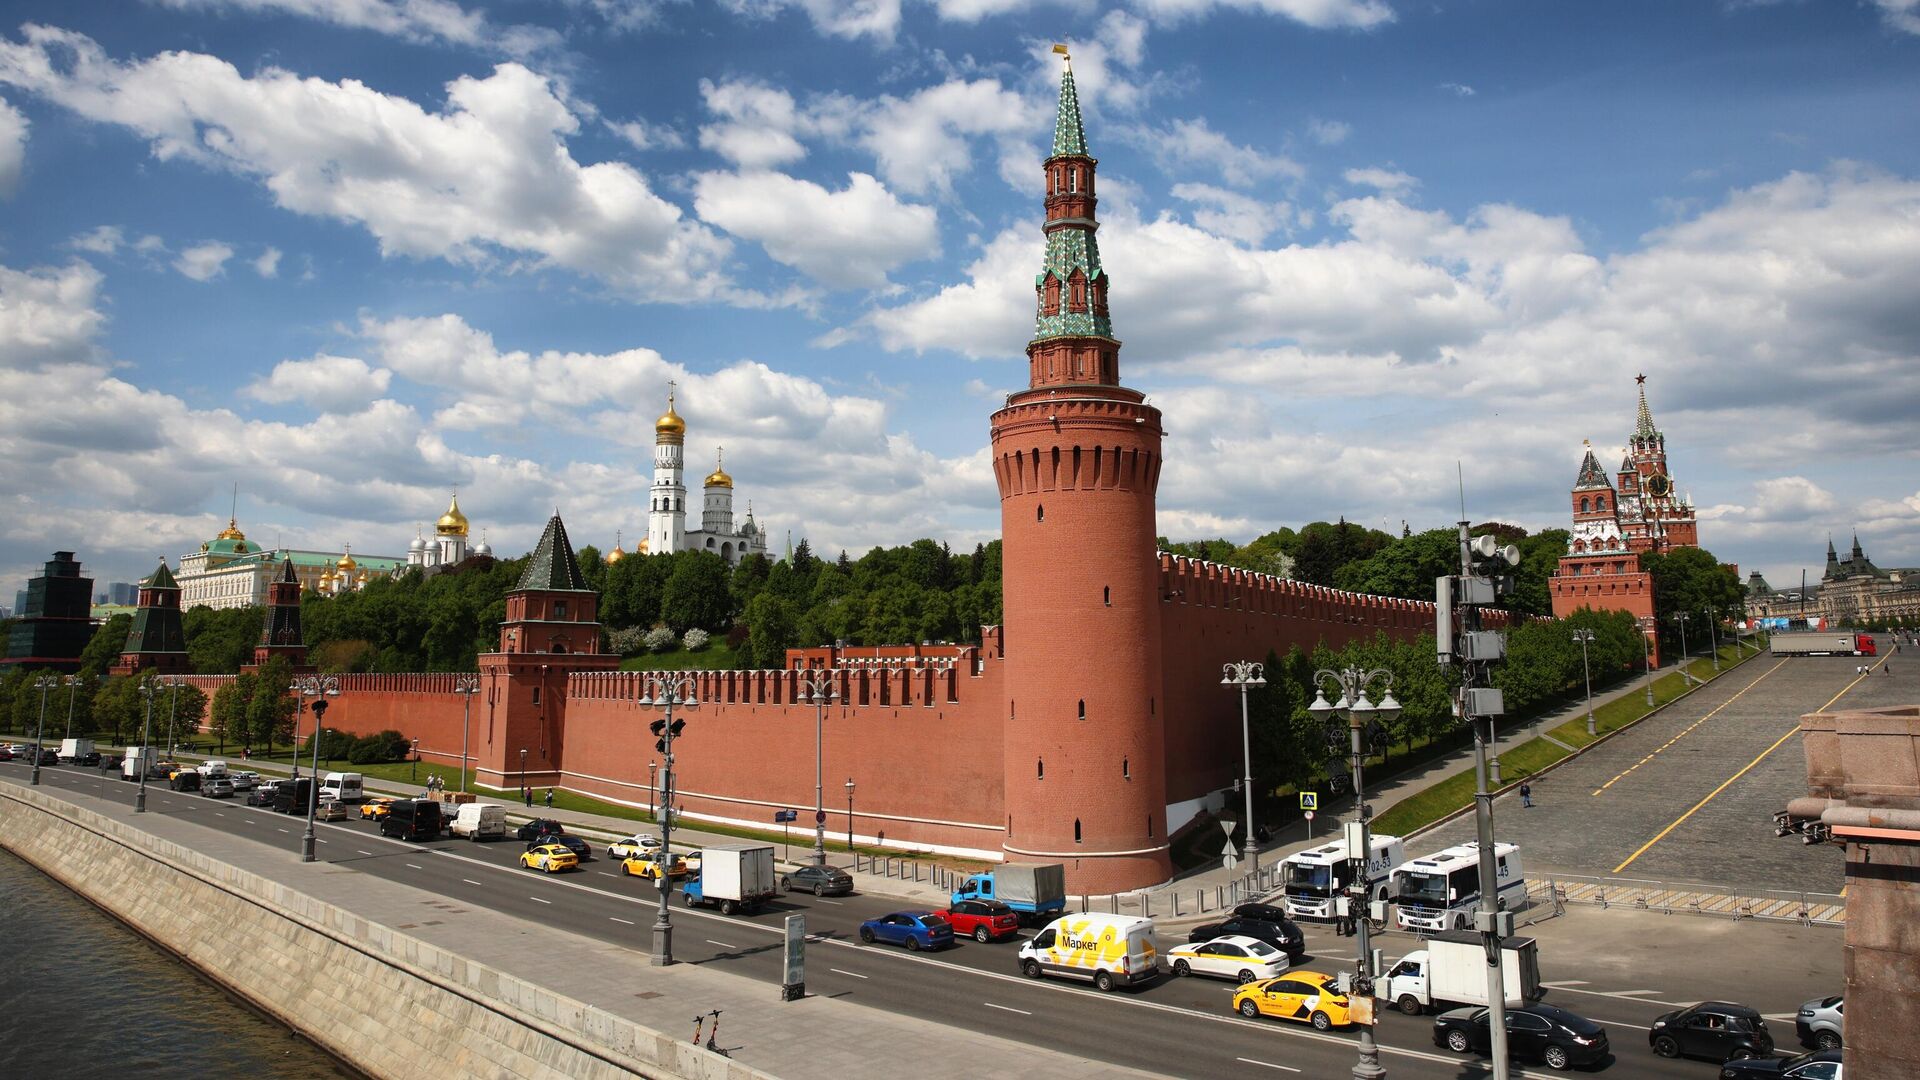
pixel 1688 795
pixel 1177 1027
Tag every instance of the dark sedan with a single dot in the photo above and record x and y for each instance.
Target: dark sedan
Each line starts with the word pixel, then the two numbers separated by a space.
pixel 1715 1030
pixel 580 848
pixel 538 827
pixel 1819 1065
pixel 819 880
pixel 261 796
pixel 1540 1032
pixel 1281 934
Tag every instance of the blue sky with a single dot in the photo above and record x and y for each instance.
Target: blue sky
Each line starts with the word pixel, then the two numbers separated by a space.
pixel 353 254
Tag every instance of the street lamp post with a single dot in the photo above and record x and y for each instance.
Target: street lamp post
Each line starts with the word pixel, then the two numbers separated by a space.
pixel 652 767
pixel 666 690
pixel 525 791
pixel 849 813
pixel 148 688
pixel 173 705
pixel 466 686
pixel 817 686
pixel 74 682
pixel 313 784
pixel 1681 618
pixel 1585 638
pixel 1646 643
pixel 1359 712
pixel 43 683
pixel 1713 634
pixel 413 772
pixel 1245 674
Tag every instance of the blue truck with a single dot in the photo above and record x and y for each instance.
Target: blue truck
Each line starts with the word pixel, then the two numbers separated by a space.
pixel 1035 891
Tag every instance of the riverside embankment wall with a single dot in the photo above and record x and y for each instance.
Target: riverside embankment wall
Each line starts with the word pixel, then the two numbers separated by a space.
pixel 391 1005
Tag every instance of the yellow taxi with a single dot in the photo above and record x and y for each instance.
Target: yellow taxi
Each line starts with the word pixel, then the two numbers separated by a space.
pixel 1306 996
pixel 648 866
pixel 551 858
pixel 376 807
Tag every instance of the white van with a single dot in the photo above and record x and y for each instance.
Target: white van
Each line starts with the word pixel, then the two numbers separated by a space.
pixel 213 767
pixel 346 787
pixel 1110 950
pixel 480 821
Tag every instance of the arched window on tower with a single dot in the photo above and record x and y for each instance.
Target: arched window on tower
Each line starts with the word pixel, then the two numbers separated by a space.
pixel 1599 502
pixel 1076 830
pixel 1040 769
pixel 1051 301
pixel 1583 505
pixel 1100 295
pixel 1077 295
pixel 1073 179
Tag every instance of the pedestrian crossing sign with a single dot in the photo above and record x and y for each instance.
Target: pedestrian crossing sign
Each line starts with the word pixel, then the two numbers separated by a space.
pixel 1309 800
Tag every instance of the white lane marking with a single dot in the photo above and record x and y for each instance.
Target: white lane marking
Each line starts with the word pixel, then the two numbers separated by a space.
pixel 722 944
pixel 855 974
pixel 1011 1009
pixel 537 900
pixel 363 852
pixel 1633 993
pixel 413 866
pixel 321 839
pixel 611 918
pixel 283 830
pixel 1268 1064
pixel 1568 982
pixel 470 881
pixel 824 900
pixel 603 873
pixel 217 813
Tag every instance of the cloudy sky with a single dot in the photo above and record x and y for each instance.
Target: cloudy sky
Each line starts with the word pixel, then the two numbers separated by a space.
pixel 354 254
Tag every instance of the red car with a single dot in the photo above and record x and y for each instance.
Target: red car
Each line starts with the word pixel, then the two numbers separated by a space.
pixel 986 920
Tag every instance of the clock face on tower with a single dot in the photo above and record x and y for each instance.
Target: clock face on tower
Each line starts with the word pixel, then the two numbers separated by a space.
pixel 1658 485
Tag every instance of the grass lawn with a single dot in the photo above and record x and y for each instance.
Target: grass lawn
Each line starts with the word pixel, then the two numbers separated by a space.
pixel 1530 757
pixel 715 657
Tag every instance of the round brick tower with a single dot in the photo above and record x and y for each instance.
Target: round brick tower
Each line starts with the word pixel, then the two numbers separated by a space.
pixel 1077 459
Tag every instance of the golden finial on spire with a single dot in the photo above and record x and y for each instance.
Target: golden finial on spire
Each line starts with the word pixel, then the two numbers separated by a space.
pixel 1065 57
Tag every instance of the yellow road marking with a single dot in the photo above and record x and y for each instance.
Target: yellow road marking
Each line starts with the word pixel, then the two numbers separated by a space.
pixel 1684 732
pixel 1747 768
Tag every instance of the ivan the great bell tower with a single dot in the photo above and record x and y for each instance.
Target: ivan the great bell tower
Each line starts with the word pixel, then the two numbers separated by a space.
pixel 1077 459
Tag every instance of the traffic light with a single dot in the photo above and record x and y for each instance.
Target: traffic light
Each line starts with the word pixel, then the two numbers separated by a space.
pixel 662 733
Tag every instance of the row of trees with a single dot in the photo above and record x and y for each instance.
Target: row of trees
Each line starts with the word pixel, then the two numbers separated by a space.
pixel 113 708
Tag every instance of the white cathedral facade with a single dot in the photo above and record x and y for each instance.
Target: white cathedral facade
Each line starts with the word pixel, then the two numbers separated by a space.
pixel 715 531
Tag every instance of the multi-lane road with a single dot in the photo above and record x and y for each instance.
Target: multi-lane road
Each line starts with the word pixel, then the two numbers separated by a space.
pixel 1177 1027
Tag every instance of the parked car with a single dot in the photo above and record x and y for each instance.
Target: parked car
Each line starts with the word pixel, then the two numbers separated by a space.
pixel 648 866
pixel 1305 996
pixel 915 929
pixel 637 844
pixel 376 808
pixel 1282 934
pixel 551 858
pixel 984 920
pixel 1819 1065
pixel 245 781
pixel 217 787
pixel 539 827
pixel 1715 1030
pixel 818 880
pixel 330 810
pixel 1545 1033
pixel 1822 1023
pixel 581 850
pixel 1242 959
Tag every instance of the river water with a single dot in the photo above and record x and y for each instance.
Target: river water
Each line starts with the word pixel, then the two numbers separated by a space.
pixel 82 996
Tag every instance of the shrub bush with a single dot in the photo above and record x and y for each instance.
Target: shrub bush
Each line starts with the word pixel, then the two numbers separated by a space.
pixel 627 641
pixel 660 639
pixel 696 639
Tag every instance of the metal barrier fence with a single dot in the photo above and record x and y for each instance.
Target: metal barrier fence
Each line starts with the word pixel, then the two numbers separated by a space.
pixel 1689 898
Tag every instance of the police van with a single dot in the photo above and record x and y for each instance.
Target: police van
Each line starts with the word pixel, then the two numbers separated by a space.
pixel 1313 878
pixel 1442 891
pixel 1109 950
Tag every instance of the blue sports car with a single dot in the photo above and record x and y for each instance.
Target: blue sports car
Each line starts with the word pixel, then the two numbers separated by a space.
pixel 915 929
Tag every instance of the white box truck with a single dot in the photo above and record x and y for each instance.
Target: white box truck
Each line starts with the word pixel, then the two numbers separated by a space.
pixel 75 749
pixel 480 821
pixel 1452 970
pixel 138 758
pixel 733 877
pixel 346 787
pixel 1312 878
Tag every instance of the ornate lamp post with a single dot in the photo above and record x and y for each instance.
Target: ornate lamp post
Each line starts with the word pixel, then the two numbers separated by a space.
pixel 74 682
pixel 173 685
pixel 319 687
pixel 1646 643
pixel 1681 618
pixel 665 691
pixel 1713 633
pixel 43 683
pixel 525 791
pixel 466 686
pixel 849 813
pixel 1359 712
pixel 149 686
pixel 652 768
pixel 413 771
pixel 1585 638
pixel 1244 674
pixel 817 686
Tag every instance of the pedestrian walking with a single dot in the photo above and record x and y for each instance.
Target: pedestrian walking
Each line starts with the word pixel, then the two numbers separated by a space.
pixel 527 794
pixel 1526 794
pixel 549 798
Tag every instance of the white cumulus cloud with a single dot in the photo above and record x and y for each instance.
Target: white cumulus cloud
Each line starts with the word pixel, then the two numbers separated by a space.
pixel 328 383
pixel 13 148
pixel 847 238
pixel 267 263
pixel 204 261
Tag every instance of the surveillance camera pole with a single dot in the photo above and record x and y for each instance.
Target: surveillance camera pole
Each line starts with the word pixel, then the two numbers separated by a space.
pixel 666 691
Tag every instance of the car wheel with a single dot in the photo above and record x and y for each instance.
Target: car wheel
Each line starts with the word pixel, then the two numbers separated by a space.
pixel 1740 1054
pixel 819 890
pixel 1827 1040
pixel 786 883
pixel 1411 1005
pixel 1103 980
pixel 727 907
pixel 1245 977
pixel 866 935
pixel 1556 1057
pixel 1030 968
pixel 1666 1047
pixel 1249 1010
pixel 686 898
pixel 1457 1041
pixel 1182 968
pixel 982 935
pixel 913 944
pixel 1321 1021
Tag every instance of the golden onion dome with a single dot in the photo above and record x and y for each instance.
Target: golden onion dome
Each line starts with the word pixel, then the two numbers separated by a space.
pixel 642 549
pixel 232 531
pixel 615 555
pixel 669 428
pixel 347 562
pixel 718 477
pixel 453 522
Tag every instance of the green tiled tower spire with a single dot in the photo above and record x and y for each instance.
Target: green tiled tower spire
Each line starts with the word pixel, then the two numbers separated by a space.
pixel 1069 137
pixel 552 566
pixel 1074 302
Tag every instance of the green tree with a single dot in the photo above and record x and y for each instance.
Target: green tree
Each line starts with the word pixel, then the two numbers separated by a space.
pixel 1406 567
pixel 105 645
pixel 696 593
pixel 270 708
pixel 770 633
pixel 219 640
pixel 230 705
pixel 1690 580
